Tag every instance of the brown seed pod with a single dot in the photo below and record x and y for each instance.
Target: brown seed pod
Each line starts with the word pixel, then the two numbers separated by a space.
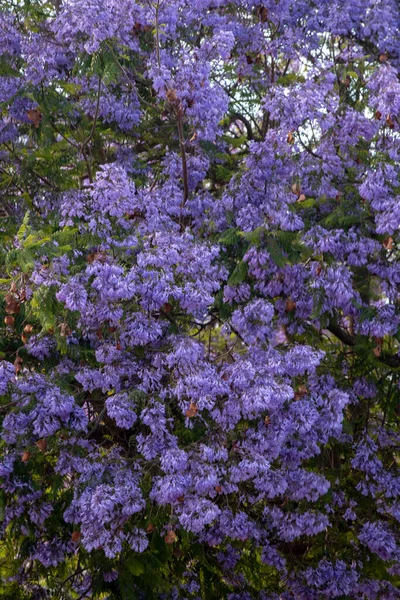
pixel 9 298
pixel 388 243
pixel 218 489
pixel 172 96
pixel 167 307
pixel 290 138
pixel 13 308
pixel 41 444
pixel 150 528
pixel 76 536
pixel 171 537
pixel 290 305
pixel 263 13
pixel 64 330
pixel 9 321
pixel 192 410
pixel 28 328
pixel 295 189
pixel 301 391
pixel 25 456
pixel 389 122
pixel 35 116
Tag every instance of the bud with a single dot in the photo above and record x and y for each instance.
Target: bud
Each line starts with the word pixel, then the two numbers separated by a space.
pixel 28 328
pixel 76 536
pixel 9 321
pixel 218 489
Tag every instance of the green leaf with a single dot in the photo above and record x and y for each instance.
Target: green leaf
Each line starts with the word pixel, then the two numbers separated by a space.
pixel 135 567
pixel 239 274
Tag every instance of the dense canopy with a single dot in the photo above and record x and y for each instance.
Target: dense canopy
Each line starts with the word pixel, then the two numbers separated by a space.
pixel 200 299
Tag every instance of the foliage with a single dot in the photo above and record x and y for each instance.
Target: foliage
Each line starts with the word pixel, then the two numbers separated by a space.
pixel 199 280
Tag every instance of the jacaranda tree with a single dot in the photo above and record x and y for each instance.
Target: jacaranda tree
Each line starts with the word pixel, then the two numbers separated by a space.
pixel 200 299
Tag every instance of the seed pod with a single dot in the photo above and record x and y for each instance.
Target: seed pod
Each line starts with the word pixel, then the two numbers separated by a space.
pixel 35 116
pixel 290 305
pixel 218 489
pixel 13 308
pixel 171 537
pixel 9 321
pixel 41 444
pixel 192 410
pixel 150 528
pixel 76 536
pixel 172 96
pixel 25 456
pixel 388 243
pixel 296 189
pixel 263 14
pixel 301 391
pixel 28 328
pixel 64 330
pixel 389 122
pixel 167 307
